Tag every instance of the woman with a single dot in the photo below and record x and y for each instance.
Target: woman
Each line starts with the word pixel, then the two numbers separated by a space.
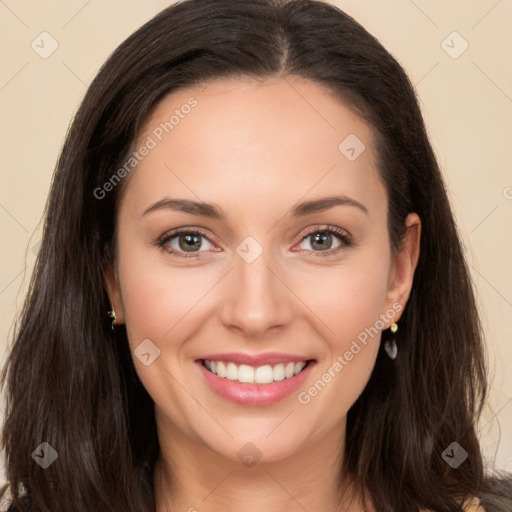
pixel 241 363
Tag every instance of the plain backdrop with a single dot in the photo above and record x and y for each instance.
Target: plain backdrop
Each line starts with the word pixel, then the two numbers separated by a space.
pixel 456 52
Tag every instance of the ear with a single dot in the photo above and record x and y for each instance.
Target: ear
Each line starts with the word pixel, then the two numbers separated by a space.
pixel 403 264
pixel 114 292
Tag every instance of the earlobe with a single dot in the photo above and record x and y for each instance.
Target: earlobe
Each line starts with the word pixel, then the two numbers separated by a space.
pixel 114 295
pixel 404 263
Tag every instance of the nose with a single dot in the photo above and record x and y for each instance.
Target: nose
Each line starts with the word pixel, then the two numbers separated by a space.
pixel 256 296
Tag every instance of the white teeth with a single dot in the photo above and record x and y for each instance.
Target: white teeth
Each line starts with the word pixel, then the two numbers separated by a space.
pixel 263 375
pixel 289 370
pixel 231 371
pixel 299 367
pixel 221 369
pixel 278 372
pixel 245 373
pixel 254 375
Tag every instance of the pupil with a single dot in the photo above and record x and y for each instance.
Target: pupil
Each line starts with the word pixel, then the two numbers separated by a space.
pixel 321 237
pixel 189 242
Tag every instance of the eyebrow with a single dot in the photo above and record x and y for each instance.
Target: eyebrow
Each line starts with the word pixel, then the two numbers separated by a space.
pixel 213 211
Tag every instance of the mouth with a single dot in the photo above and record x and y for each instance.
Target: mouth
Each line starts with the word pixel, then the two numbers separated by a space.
pixel 247 382
pixel 265 374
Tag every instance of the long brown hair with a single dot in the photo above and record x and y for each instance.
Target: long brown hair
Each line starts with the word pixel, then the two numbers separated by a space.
pixel 70 380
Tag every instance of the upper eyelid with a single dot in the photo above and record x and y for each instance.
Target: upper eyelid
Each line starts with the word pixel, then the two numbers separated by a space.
pixel 179 231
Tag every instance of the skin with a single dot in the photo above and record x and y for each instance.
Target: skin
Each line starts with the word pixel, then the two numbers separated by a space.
pixel 255 149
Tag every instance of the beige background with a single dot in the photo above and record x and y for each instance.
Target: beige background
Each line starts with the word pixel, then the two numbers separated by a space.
pixel 467 103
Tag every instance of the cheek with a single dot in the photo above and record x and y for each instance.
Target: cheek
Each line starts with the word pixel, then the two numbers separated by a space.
pixel 163 305
pixel 168 304
pixel 348 301
pixel 157 301
pixel 347 298
pixel 350 355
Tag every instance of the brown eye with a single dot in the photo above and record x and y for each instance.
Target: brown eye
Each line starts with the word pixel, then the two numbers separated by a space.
pixel 190 242
pixel 185 243
pixel 322 242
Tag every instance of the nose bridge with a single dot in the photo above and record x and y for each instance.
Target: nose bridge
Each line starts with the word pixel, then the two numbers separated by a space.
pixel 256 298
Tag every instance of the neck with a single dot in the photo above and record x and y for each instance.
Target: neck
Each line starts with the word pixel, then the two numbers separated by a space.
pixel 192 477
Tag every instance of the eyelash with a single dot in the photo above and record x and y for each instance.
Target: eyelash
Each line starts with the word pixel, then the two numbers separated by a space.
pixel 346 240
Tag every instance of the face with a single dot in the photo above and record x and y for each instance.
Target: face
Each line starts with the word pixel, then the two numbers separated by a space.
pixel 265 279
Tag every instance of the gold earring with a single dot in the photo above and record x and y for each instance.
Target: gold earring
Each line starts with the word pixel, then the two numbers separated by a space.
pixel 112 314
pixel 390 345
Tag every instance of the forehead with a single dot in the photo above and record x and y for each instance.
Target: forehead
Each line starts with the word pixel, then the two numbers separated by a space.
pixel 254 143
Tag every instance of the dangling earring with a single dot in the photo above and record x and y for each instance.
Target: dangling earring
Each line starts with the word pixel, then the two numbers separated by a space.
pixel 112 314
pixel 390 345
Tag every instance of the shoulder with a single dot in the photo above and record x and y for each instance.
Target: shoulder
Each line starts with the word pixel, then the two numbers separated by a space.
pixel 472 506
pixel 6 496
pixel 497 496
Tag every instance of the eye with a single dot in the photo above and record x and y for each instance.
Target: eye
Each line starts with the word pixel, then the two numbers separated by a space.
pixel 183 243
pixel 187 243
pixel 321 240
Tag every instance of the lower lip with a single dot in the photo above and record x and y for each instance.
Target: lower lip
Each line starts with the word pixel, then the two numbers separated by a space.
pixel 255 394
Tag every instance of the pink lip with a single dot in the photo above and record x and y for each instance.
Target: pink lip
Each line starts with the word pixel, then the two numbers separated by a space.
pixel 271 358
pixel 254 394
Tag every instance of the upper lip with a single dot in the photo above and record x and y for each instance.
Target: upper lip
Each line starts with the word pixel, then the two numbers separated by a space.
pixel 267 358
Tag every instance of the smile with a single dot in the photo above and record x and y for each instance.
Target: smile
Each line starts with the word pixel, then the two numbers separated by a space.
pixel 254 380
pixel 254 375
